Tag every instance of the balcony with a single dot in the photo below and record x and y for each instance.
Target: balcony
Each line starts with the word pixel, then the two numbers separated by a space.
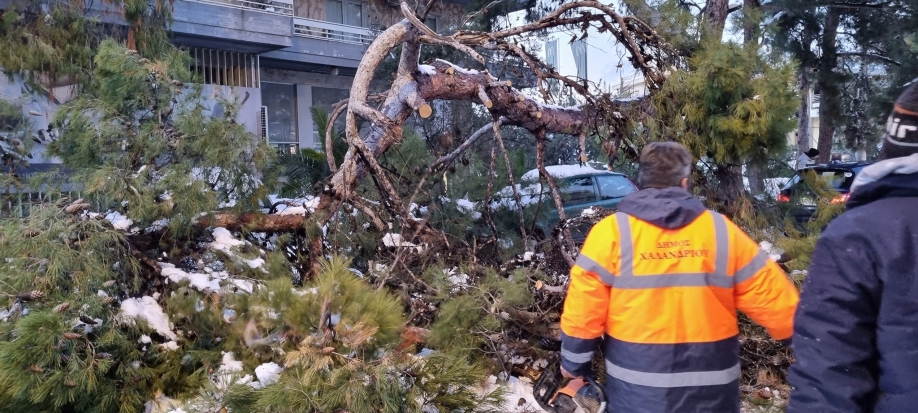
pixel 281 7
pixel 246 26
pixel 320 46
pixel 316 29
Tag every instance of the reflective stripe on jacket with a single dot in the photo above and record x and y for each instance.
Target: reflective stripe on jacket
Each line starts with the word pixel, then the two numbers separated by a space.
pixel 663 301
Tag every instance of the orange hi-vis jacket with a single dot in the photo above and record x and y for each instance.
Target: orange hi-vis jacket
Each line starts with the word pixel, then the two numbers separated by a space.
pixel 662 297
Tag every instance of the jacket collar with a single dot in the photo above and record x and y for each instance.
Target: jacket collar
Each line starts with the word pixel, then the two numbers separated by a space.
pixel 669 208
pixel 892 178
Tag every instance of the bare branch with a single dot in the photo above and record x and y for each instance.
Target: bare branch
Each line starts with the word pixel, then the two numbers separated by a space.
pixel 870 56
pixel 329 131
pixel 566 242
pixel 516 193
pixel 430 36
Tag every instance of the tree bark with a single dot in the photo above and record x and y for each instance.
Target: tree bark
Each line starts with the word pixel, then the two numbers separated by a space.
pixel 254 222
pixel 731 187
pixel 803 120
pixel 829 100
pixel 755 172
pixel 715 18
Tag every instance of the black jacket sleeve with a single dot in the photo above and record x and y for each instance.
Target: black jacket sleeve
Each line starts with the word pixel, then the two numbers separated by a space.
pixel 835 329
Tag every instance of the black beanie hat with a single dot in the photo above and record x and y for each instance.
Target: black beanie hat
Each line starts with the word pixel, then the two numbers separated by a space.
pixel 901 137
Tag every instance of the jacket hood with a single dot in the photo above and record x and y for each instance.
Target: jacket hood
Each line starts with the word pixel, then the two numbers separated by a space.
pixel 892 178
pixel 669 208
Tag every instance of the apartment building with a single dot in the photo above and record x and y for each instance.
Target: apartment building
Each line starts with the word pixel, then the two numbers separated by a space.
pixel 277 58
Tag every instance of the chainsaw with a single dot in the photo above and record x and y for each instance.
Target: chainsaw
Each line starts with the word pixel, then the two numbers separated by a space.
pixel 556 394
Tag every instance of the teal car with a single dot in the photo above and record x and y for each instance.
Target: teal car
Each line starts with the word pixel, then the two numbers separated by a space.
pixel 579 192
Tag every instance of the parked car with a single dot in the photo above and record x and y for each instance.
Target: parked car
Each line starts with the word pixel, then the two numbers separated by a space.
pixel 581 187
pixel 802 200
pixel 585 190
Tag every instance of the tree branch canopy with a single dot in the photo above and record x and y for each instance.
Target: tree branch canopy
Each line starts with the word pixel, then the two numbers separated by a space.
pixel 870 56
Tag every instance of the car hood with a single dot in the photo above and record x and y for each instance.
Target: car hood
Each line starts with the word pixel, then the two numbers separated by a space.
pixel 669 208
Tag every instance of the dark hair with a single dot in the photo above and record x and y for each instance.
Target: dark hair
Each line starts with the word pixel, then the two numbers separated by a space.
pixel 663 165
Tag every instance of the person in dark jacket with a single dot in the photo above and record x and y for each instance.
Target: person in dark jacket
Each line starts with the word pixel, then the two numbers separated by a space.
pixel 856 328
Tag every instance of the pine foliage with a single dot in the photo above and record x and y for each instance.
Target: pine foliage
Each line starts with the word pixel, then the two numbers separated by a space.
pixel 61 344
pixel 733 106
pixel 142 137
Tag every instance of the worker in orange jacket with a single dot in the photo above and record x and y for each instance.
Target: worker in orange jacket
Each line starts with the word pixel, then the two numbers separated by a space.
pixel 658 284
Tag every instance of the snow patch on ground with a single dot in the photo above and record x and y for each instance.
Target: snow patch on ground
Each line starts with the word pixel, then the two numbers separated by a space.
pixel 148 309
pixel 171 345
pixel 268 374
pixel 519 398
pixel 773 252
pixel 228 369
pixel 458 281
pixel 244 285
pixel 225 241
pixel 203 282
pixel 395 240
pixel 120 222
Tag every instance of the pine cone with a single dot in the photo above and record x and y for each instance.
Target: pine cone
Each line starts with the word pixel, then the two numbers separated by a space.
pixel 65 358
pixel 108 300
pixel 31 233
pixel 69 383
pixel 108 283
pixel 60 308
pixel 328 350
pixel 76 208
pixel 71 336
pixel 30 295
pixel 36 368
pixel 103 356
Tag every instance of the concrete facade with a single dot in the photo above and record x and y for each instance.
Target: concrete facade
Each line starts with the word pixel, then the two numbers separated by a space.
pixel 279 57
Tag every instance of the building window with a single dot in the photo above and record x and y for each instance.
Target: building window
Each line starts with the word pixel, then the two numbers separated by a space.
pixel 326 98
pixel 280 103
pixel 579 49
pixel 224 68
pixel 344 12
pixel 551 53
pixel 433 23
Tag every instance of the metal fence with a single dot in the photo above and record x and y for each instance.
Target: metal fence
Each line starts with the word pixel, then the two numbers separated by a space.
pixel 281 7
pixel 332 31
pixel 21 205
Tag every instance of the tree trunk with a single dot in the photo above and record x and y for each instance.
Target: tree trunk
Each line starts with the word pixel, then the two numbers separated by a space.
pixel 755 173
pixel 829 101
pixel 731 188
pixel 803 120
pixel 715 17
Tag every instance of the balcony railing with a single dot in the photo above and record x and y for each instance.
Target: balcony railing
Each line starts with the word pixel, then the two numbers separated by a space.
pixel 332 31
pixel 281 7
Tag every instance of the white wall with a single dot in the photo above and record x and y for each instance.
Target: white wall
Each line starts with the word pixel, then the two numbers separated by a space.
pixel 249 111
pixel 16 92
